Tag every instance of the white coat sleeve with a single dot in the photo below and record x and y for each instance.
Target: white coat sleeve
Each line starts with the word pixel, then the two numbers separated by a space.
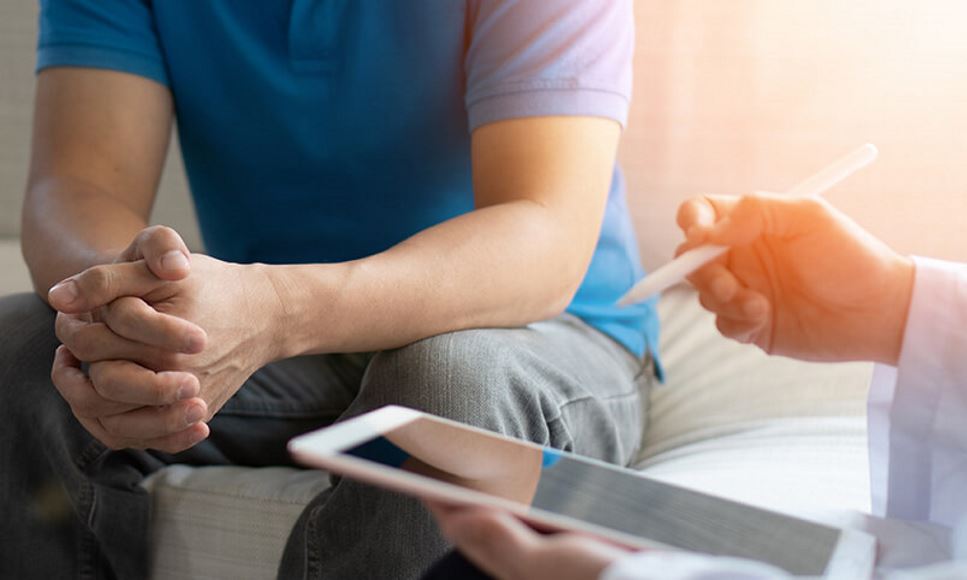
pixel 688 566
pixel 918 410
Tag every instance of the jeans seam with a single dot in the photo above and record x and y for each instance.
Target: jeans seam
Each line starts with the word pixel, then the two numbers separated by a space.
pixel 88 541
pixel 313 565
pixel 93 450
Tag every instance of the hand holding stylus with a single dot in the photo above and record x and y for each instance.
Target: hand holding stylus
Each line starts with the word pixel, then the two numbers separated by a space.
pixel 801 279
pixel 676 270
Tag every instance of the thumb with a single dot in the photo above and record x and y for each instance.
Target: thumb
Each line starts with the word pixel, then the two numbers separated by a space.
pixel 163 250
pixel 101 285
pixel 764 214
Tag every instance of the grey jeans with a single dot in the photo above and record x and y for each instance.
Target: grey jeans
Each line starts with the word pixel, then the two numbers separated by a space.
pixel 71 508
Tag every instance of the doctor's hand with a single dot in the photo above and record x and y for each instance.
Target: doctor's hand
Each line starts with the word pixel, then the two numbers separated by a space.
pixel 801 279
pixel 505 548
pixel 147 355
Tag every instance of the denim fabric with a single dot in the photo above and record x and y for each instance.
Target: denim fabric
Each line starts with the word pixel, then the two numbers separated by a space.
pixel 71 508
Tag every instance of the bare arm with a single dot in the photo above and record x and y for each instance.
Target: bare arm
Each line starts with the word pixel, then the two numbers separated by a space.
pixel 100 139
pixel 540 186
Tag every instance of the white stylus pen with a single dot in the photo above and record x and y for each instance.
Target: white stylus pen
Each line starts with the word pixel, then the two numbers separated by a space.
pixel 676 270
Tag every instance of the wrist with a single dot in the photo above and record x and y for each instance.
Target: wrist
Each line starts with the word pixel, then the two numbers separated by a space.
pixel 303 299
pixel 896 308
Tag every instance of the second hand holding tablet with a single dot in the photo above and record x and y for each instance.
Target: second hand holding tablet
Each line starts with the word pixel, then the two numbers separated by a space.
pixel 676 270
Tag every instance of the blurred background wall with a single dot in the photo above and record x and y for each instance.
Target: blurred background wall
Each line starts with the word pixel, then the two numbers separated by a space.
pixel 740 95
pixel 18 38
pixel 730 96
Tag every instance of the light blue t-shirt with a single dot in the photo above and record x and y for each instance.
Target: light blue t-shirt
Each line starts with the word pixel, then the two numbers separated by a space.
pixel 329 130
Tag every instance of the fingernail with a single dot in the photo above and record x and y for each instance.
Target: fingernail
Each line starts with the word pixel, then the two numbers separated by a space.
pixel 174 260
pixel 194 414
pixel 187 390
pixel 65 292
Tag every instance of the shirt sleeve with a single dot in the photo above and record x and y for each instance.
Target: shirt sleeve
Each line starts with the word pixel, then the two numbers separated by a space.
pixel 534 57
pixel 688 566
pixel 117 35
pixel 918 411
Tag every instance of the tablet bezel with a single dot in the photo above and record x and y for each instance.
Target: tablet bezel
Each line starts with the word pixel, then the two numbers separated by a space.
pixel 853 556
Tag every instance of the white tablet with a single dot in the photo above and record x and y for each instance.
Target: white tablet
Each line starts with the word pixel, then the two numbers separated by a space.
pixel 429 457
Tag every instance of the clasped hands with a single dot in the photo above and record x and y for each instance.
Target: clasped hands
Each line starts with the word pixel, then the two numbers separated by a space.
pixel 168 337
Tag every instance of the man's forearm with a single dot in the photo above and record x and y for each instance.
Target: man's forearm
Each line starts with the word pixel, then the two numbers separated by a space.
pixel 505 265
pixel 99 143
pixel 69 226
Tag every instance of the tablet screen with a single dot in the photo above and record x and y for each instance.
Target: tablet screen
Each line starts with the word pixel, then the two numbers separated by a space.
pixel 591 491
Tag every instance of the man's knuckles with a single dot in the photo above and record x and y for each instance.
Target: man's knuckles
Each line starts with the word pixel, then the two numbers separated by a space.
pixel 123 315
pixel 94 342
pixel 98 281
pixel 159 236
pixel 165 252
pixel 102 284
pixel 117 380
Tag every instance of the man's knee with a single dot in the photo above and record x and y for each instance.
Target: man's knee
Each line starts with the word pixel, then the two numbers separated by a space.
pixel 27 341
pixel 477 376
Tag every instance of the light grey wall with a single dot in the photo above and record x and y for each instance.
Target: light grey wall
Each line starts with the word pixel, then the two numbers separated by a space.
pixel 18 37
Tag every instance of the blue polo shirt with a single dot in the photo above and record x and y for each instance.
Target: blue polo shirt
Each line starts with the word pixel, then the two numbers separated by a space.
pixel 329 130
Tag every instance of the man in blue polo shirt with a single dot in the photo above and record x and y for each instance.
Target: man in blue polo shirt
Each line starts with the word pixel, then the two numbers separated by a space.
pixel 428 186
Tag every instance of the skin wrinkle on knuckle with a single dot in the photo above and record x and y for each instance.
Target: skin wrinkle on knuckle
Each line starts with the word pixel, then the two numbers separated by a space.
pixel 93 280
pixel 107 386
pixel 122 318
